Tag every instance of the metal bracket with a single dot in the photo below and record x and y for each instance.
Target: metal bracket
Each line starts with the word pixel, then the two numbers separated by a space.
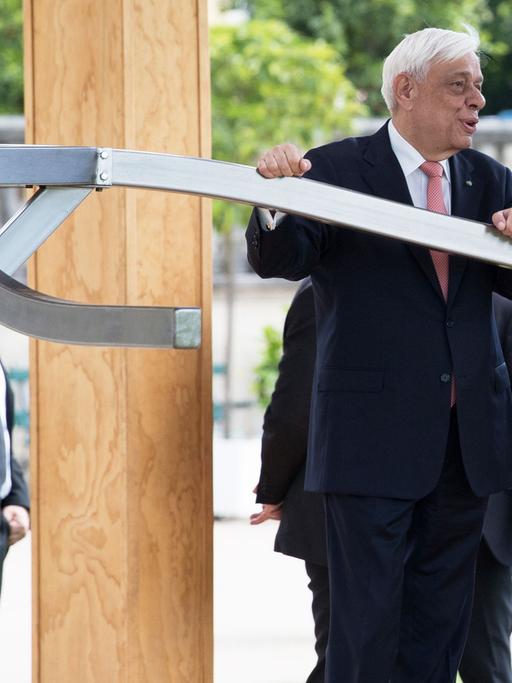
pixel 67 175
pixel 35 222
pixel 104 167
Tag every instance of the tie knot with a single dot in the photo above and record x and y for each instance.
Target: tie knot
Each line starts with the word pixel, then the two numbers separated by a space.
pixel 432 169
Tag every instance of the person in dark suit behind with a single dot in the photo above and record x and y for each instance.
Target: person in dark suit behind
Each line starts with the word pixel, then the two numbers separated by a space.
pixel 14 498
pixel 283 459
pixel 411 412
pixel 301 531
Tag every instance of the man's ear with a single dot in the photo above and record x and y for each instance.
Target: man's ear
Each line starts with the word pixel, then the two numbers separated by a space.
pixel 404 89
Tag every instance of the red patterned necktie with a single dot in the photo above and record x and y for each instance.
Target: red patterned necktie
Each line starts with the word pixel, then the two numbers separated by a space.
pixel 435 202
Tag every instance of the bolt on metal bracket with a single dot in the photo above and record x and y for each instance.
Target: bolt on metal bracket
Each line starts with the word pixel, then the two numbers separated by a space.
pixel 104 167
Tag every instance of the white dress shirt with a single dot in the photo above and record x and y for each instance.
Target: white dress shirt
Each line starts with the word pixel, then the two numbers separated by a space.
pixel 410 160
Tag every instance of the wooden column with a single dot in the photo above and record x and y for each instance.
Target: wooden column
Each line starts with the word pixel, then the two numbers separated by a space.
pixel 121 439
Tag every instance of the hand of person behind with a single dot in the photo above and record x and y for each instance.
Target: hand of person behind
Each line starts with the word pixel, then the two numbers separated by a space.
pixel 283 160
pixel 19 522
pixel 268 511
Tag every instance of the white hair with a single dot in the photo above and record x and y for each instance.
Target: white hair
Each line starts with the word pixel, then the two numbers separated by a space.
pixel 414 54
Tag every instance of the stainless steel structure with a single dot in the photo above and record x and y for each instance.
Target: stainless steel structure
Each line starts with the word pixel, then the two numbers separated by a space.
pixel 67 175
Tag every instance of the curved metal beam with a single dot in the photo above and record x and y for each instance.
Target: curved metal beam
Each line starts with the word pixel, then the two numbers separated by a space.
pixel 104 167
pixel 312 199
pixel 39 315
pixel 68 174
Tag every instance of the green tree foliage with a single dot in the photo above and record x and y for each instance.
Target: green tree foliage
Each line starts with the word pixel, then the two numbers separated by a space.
pixel 364 32
pixel 269 85
pixel 11 57
pixel 497 69
pixel 265 373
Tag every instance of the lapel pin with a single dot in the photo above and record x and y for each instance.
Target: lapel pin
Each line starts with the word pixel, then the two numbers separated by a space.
pixel 469 183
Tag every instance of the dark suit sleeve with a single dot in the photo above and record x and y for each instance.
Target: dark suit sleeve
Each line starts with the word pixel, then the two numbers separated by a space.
pixel 503 284
pixel 18 494
pixel 503 316
pixel 285 425
pixel 498 519
pixel 296 245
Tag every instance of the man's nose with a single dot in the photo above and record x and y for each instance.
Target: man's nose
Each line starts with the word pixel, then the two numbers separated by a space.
pixel 476 100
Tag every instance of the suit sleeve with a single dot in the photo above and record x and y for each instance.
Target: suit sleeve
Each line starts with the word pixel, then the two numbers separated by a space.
pixel 296 245
pixel 506 343
pixel 503 315
pixel 286 421
pixel 18 494
pixel 503 283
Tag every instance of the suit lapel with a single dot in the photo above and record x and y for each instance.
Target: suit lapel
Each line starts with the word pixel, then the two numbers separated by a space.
pixel 466 190
pixel 385 177
pixel 383 173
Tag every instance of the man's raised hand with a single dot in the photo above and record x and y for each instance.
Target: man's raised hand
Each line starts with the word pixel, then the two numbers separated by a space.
pixel 503 221
pixel 283 160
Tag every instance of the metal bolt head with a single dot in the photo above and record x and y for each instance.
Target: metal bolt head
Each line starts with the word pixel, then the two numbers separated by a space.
pixel 103 176
pixel 103 154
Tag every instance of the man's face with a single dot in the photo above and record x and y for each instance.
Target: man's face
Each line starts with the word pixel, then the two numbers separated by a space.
pixel 444 107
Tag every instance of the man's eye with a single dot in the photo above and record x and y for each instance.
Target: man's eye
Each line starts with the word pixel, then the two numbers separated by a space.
pixel 458 84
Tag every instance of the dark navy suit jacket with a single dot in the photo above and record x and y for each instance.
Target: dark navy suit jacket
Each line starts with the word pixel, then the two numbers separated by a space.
pixel 301 532
pixel 386 340
pixel 285 435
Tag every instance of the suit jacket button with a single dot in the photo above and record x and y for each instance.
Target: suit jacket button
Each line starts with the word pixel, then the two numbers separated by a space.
pixel 446 378
pixel 450 323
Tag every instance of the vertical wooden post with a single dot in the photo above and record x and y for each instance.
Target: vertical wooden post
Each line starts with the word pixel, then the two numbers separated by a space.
pixel 121 439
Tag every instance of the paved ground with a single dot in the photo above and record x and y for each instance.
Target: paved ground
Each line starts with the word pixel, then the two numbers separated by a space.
pixel 263 627
pixel 15 607
pixel 263 622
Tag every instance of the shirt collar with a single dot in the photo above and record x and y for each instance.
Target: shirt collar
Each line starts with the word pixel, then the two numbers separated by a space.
pixel 408 156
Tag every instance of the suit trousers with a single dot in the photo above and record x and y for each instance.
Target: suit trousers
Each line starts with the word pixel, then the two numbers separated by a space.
pixel 401 580
pixel 319 586
pixel 486 657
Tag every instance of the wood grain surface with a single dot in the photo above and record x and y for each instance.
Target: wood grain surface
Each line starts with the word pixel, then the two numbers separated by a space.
pixel 121 439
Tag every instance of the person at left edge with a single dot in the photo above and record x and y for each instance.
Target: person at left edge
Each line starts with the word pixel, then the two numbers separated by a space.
pixel 14 497
pixel 280 488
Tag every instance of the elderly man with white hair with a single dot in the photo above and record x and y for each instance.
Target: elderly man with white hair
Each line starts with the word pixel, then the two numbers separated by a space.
pixel 411 413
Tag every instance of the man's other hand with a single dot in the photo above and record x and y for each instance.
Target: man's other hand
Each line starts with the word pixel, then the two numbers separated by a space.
pixel 283 160
pixel 19 522
pixel 503 221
